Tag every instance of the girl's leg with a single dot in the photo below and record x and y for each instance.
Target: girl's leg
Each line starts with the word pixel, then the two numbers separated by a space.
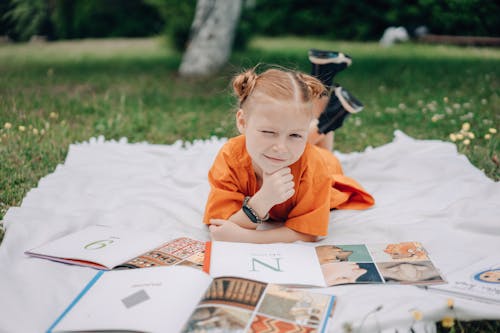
pixel 315 137
pixel 325 65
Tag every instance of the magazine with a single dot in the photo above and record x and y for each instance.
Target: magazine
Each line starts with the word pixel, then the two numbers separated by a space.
pixel 479 281
pixel 323 265
pixel 104 247
pixel 183 299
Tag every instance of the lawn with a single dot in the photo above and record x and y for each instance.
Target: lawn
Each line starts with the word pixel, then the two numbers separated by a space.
pixel 54 94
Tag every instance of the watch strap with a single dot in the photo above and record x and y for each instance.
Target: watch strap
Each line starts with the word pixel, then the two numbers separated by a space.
pixel 251 213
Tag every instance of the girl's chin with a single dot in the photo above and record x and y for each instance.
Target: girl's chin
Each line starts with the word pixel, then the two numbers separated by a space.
pixel 271 167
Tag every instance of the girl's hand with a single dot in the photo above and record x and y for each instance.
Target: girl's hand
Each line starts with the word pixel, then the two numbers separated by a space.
pixel 225 230
pixel 277 187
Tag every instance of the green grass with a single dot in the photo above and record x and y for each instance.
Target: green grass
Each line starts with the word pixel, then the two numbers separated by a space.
pixel 58 93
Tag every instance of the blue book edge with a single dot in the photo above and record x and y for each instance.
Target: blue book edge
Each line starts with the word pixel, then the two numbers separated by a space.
pixel 328 311
pixel 76 300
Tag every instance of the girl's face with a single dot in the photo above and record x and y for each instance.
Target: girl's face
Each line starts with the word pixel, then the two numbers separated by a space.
pixel 276 134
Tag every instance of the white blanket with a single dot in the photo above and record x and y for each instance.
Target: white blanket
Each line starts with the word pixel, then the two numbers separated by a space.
pixel 424 190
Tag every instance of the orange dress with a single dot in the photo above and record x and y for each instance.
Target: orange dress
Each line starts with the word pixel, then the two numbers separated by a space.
pixel 320 186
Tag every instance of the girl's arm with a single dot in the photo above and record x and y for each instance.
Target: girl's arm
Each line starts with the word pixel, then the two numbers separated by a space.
pixel 225 230
pixel 276 188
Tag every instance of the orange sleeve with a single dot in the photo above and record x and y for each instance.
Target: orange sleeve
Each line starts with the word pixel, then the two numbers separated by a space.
pixel 348 194
pixel 311 213
pixel 225 197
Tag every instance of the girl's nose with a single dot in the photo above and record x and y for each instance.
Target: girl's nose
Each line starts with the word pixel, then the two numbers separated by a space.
pixel 279 146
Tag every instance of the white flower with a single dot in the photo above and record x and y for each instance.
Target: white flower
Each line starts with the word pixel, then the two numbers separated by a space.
pixel 437 117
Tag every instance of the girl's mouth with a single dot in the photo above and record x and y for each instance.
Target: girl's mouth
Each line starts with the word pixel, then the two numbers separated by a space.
pixel 275 159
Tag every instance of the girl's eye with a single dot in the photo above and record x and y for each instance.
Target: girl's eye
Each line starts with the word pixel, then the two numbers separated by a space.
pixel 268 132
pixel 295 135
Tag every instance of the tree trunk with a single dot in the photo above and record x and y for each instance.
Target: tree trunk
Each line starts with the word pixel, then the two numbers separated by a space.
pixel 211 37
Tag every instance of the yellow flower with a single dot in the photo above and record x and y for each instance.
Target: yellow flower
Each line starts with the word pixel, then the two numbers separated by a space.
pixel 466 142
pixel 447 322
pixel 460 136
pixel 7 125
pixel 487 136
pixel 453 137
pixel 465 126
pixel 53 115
pixel 450 303
pixel 417 315
pixel 471 135
pixel 492 130
pixel 22 128
pixel 445 99
pixel 35 131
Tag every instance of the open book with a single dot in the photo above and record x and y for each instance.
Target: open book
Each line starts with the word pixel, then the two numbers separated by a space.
pixel 182 299
pixel 323 265
pixel 105 247
pixel 480 281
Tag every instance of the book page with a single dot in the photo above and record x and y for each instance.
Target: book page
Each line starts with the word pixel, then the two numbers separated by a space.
pixel 100 244
pixel 242 305
pixel 290 264
pixel 157 299
pixel 479 281
pixel 180 251
pixel 401 263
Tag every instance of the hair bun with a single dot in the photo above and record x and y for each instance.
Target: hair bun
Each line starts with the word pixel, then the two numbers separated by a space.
pixel 244 83
pixel 314 86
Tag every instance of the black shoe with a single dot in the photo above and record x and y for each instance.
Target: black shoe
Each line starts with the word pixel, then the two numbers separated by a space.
pixel 326 64
pixel 340 105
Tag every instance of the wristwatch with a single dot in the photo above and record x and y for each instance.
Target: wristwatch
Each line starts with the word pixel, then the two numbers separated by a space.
pixel 251 213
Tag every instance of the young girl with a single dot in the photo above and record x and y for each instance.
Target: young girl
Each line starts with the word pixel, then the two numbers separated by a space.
pixel 271 172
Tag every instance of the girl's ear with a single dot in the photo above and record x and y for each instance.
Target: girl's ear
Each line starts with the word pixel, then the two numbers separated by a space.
pixel 241 122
